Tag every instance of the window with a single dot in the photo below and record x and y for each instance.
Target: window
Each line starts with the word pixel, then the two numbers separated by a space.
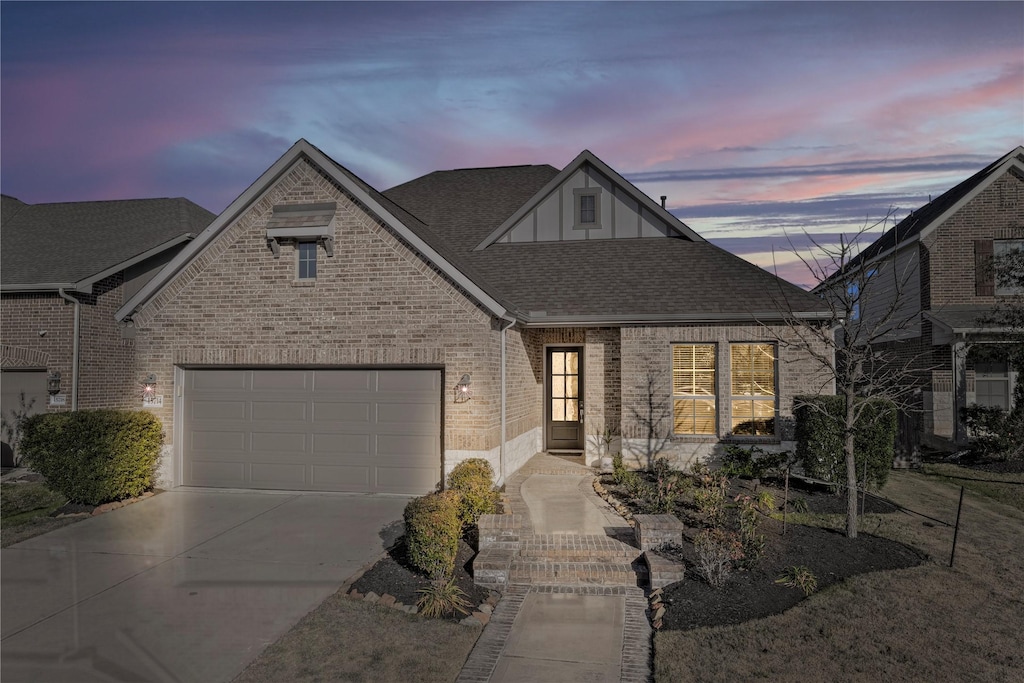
pixel 1008 263
pixel 753 389
pixel 306 260
pixel 853 292
pixel 693 389
pixel 588 207
pixel 992 385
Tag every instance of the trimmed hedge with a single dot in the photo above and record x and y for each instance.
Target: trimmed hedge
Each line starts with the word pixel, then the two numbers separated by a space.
pixel 819 437
pixel 432 531
pixel 94 456
pixel 473 479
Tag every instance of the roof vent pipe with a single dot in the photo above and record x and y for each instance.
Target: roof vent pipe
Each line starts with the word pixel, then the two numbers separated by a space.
pixel 663 198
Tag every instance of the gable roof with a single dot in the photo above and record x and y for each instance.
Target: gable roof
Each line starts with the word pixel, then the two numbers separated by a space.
pixel 73 245
pixel 585 158
pixel 929 217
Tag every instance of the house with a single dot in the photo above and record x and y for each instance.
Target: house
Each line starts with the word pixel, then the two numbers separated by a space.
pixel 66 268
pixel 941 256
pixel 323 335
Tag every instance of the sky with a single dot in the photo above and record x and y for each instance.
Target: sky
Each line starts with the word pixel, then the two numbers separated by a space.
pixel 767 125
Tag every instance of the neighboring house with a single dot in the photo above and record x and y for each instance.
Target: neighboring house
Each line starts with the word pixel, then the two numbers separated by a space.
pixel 942 254
pixel 322 335
pixel 64 270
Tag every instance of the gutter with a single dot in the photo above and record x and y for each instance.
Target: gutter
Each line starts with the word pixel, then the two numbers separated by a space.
pixel 540 319
pixel 75 346
pixel 501 448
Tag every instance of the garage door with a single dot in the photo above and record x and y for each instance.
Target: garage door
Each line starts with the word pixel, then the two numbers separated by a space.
pixel 21 391
pixel 315 430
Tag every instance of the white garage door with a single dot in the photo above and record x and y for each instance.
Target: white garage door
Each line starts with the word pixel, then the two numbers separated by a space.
pixel 313 430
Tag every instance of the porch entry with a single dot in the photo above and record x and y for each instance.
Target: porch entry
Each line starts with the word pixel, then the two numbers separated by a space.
pixel 564 411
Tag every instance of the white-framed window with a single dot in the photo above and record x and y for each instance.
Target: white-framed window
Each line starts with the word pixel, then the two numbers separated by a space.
pixel 992 384
pixel 587 210
pixel 753 389
pixel 306 252
pixel 1001 251
pixel 694 395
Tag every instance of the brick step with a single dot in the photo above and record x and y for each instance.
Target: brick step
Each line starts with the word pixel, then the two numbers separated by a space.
pixel 576 548
pixel 539 571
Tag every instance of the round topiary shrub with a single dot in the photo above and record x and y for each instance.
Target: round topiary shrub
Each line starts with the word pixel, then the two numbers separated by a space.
pixel 474 480
pixel 432 531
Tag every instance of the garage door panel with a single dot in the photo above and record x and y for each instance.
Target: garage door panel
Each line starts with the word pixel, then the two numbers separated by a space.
pixel 330 430
pixel 280 411
pixel 348 412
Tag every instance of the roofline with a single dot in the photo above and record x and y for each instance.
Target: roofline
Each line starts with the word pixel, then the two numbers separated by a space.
pixel 85 285
pixel 540 320
pixel 964 330
pixel 258 188
pixel 588 157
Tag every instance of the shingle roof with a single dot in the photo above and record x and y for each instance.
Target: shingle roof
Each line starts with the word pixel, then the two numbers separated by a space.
pixel 597 279
pixel 70 242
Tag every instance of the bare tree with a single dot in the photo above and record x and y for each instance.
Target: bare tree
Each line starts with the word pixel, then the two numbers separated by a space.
pixel 855 345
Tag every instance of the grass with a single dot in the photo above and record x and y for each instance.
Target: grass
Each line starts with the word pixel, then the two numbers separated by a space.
pixel 25 510
pixel 346 640
pixel 990 484
pixel 930 622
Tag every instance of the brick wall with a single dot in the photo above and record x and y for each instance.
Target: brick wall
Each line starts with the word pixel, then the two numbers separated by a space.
pixel 376 302
pixel 22 318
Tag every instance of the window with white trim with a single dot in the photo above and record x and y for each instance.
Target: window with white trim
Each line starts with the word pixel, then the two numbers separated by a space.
pixel 305 260
pixel 694 399
pixel 753 389
pixel 587 210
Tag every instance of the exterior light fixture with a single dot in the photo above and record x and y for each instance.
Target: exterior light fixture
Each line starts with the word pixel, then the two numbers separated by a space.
pixel 149 385
pixel 53 383
pixel 462 390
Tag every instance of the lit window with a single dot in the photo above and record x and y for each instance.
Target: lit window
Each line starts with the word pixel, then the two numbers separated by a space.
pixel 693 389
pixel 753 389
pixel 307 260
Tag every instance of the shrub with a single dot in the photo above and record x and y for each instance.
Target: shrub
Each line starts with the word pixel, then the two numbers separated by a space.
pixel 751 462
pixel 94 456
pixel 799 505
pixel 709 492
pixel 473 479
pixel 442 597
pixel 819 436
pixel 994 432
pixel 432 531
pixel 668 484
pixel 618 469
pixel 716 550
pixel 766 502
pixel 634 484
pixel 799 577
pixel 749 521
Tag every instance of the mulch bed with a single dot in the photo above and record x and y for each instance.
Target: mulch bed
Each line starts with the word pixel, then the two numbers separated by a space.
pixel 392 575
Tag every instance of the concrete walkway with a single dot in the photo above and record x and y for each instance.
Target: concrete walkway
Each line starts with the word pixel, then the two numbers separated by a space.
pixel 572 610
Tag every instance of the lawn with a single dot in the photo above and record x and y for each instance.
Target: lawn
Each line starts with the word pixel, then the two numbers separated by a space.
pixel 1004 487
pixel 25 512
pixel 930 622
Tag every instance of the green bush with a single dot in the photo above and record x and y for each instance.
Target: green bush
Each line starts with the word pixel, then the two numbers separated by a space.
pixel 473 479
pixel 995 433
pixel 432 531
pixel 751 462
pixel 819 437
pixel 94 456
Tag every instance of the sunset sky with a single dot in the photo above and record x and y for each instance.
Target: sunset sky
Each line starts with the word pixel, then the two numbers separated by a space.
pixel 760 121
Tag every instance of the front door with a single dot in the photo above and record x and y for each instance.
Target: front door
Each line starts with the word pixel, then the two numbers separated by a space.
pixel 564 412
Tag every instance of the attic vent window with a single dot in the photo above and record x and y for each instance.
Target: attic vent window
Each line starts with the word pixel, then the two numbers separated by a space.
pixel 300 224
pixel 588 208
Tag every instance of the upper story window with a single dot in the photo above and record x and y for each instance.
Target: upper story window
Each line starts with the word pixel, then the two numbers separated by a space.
pixel 588 207
pixel 1008 264
pixel 753 389
pixel 306 260
pixel 694 400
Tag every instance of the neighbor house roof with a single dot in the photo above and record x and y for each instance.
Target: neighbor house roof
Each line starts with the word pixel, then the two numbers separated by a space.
pixel 75 244
pixel 927 218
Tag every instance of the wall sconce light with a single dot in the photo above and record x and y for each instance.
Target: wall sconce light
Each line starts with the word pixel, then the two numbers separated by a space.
pixel 149 385
pixel 53 383
pixel 463 392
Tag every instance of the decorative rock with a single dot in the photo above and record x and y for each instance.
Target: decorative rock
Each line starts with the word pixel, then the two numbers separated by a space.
pixel 470 621
pixel 659 613
pixel 481 617
pixel 398 606
pixel 485 608
pixel 371 598
pixel 493 598
pixel 355 595
pixel 656 591
pixel 386 600
pixel 412 609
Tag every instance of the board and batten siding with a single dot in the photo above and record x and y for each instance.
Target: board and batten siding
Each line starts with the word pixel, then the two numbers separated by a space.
pixel 620 215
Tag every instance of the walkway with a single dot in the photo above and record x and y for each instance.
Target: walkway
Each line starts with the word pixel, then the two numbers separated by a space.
pixel 571 610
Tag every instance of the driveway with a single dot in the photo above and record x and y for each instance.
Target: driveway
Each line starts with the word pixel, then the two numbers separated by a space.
pixel 189 585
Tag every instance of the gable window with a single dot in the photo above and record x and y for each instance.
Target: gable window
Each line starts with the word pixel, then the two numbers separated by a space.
pixel 588 207
pixel 306 260
pixel 753 389
pixel 693 389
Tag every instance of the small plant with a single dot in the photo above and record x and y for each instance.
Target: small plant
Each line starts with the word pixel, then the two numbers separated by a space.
pixel 751 462
pixel 442 597
pixel 799 505
pixel 752 542
pixel 473 479
pixel 432 531
pixel 661 497
pixel 618 469
pixel 766 502
pixel 709 493
pixel 717 550
pixel 634 484
pixel 800 577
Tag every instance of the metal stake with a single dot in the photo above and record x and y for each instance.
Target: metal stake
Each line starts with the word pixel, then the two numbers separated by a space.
pixel 956 529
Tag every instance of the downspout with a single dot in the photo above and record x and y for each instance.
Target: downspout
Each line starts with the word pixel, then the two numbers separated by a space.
pixel 75 346
pixel 501 449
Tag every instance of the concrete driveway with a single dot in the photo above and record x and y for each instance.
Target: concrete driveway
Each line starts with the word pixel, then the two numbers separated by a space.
pixel 189 585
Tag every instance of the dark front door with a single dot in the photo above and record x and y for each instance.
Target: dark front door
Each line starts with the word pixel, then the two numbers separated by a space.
pixel 564 412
